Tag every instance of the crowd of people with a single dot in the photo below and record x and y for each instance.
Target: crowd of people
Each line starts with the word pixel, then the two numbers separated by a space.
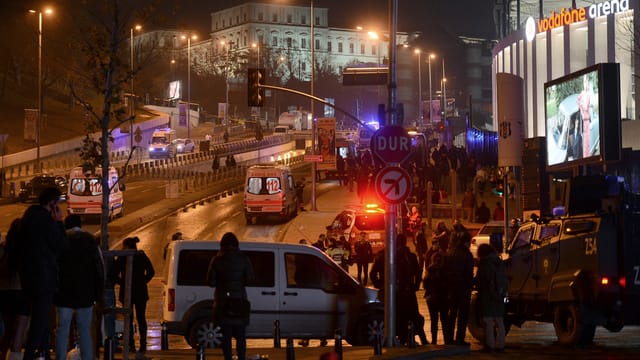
pixel 47 263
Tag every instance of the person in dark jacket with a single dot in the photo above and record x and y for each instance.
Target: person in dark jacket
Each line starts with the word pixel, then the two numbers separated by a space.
pixel 483 214
pixel 408 282
pixel 435 288
pixel 459 276
pixel 420 243
pixel 491 301
pixel 230 271
pixel 42 240
pixel 81 285
pixel 142 273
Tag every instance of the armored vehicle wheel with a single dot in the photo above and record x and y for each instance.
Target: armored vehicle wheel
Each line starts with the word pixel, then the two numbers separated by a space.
pixel 205 332
pixel 570 327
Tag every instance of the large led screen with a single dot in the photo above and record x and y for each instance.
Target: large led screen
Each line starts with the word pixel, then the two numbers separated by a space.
pixel 577 108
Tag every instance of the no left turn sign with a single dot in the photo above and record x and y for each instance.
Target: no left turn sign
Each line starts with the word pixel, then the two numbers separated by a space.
pixel 393 185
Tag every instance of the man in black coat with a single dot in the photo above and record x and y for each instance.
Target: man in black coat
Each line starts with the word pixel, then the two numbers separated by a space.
pixel 81 285
pixel 142 273
pixel 459 274
pixel 42 240
pixel 230 271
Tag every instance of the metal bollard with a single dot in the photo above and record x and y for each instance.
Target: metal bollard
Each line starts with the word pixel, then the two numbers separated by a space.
pixel 164 337
pixel 377 344
pixel 108 348
pixel 291 355
pixel 200 352
pixel 338 344
pixel 412 336
pixel 276 334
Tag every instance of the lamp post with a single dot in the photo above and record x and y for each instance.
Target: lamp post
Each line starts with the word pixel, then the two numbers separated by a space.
pixel 39 119
pixel 189 82
pixel 314 128
pixel 226 82
pixel 132 111
pixel 444 93
pixel 257 47
pixel 431 56
pixel 417 51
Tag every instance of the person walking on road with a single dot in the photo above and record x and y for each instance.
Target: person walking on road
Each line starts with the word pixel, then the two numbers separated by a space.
pixel 435 289
pixel 230 271
pixel 364 255
pixel 81 285
pixel 42 239
pixel 491 281
pixel 142 273
pixel 459 275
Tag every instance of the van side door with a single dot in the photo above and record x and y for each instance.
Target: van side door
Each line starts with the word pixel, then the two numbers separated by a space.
pixel 313 290
pixel 262 293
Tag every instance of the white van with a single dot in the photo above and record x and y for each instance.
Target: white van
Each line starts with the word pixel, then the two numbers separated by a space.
pixel 300 286
pixel 85 193
pixel 269 190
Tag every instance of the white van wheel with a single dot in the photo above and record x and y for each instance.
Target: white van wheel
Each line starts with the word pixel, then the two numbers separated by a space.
pixel 205 332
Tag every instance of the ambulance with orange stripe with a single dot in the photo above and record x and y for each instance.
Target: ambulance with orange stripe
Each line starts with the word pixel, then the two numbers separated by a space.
pixel 84 197
pixel 269 192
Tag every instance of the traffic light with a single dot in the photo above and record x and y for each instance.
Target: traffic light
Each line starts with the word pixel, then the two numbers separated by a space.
pixel 255 78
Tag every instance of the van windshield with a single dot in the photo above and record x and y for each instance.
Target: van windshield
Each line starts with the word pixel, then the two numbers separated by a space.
pixel 263 185
pixel 159 140
pixel 86 187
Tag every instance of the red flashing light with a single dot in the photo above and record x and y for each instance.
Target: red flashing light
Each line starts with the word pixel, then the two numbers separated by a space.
pixel 171 306
pixel 622 281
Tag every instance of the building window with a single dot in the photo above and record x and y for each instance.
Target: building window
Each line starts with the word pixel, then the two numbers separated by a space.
pixel 339 47
pixel 237 19
pixel 351 48
pixel 216 25
pixel 260 39
pixel 361 49
pixel 374 50
pixel 317 20
pixel 289 19
pixel 244 17
pixel 289 42
pixel 303 20
pixel 274 18
pixel 303 43
pixel 260 16
pixel 304 66
pixel 329 46
pixel 244 40
pixel 223 23
pixel 274 41
pixel 317 44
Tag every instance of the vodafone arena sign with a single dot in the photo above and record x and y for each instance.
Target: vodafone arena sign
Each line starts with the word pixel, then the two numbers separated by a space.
pixel 391 144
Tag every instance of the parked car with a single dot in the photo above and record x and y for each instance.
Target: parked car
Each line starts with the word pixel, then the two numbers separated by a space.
pixel 31 190
pixel 351 222
pixel 184 145
pixel 484 235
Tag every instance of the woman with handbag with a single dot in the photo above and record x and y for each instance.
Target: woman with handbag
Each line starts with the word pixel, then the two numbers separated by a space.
pixel 229 272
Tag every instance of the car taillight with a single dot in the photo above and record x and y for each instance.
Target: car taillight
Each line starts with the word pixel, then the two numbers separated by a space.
pixel 622 281
pixel 604 280
pixel 171 300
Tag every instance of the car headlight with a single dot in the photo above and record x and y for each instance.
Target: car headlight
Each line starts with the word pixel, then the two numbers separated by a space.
pixel 150 148
pixel 180 147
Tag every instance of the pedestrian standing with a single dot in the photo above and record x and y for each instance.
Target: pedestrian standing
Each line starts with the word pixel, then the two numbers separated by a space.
pixel 141 274
pixel 468 204
pixel 321 242
pixel 14 304
pixel 407 283
pixel 491 280
pixel 299 186
pixel 230 271
pixel 435 289
pixel 420 243
pixel 338 253
pixel 498 212
pixel 81 285
pixel 340 168
pixel 42 240
pixel 364 255
pixel 442 235
pixel 459 275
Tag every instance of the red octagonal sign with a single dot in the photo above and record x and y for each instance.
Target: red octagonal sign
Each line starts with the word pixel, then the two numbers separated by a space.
pixel 391 144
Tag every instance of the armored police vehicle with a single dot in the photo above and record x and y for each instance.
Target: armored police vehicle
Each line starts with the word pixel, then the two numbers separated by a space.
pixel 578 269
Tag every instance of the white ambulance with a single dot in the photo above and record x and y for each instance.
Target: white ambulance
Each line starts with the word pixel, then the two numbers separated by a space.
pixel 269 192
pixel 85 193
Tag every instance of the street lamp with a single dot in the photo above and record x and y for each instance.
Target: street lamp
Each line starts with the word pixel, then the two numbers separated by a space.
pixel 431 56
pixel 226 81
pixel 132 111
pixel 314 165
pixel 257 47
pixel 417 51
pixel 189 82
pixel 374 35
pixel 39 120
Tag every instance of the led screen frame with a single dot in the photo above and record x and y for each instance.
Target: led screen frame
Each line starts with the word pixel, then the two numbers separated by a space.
pixel 584 102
